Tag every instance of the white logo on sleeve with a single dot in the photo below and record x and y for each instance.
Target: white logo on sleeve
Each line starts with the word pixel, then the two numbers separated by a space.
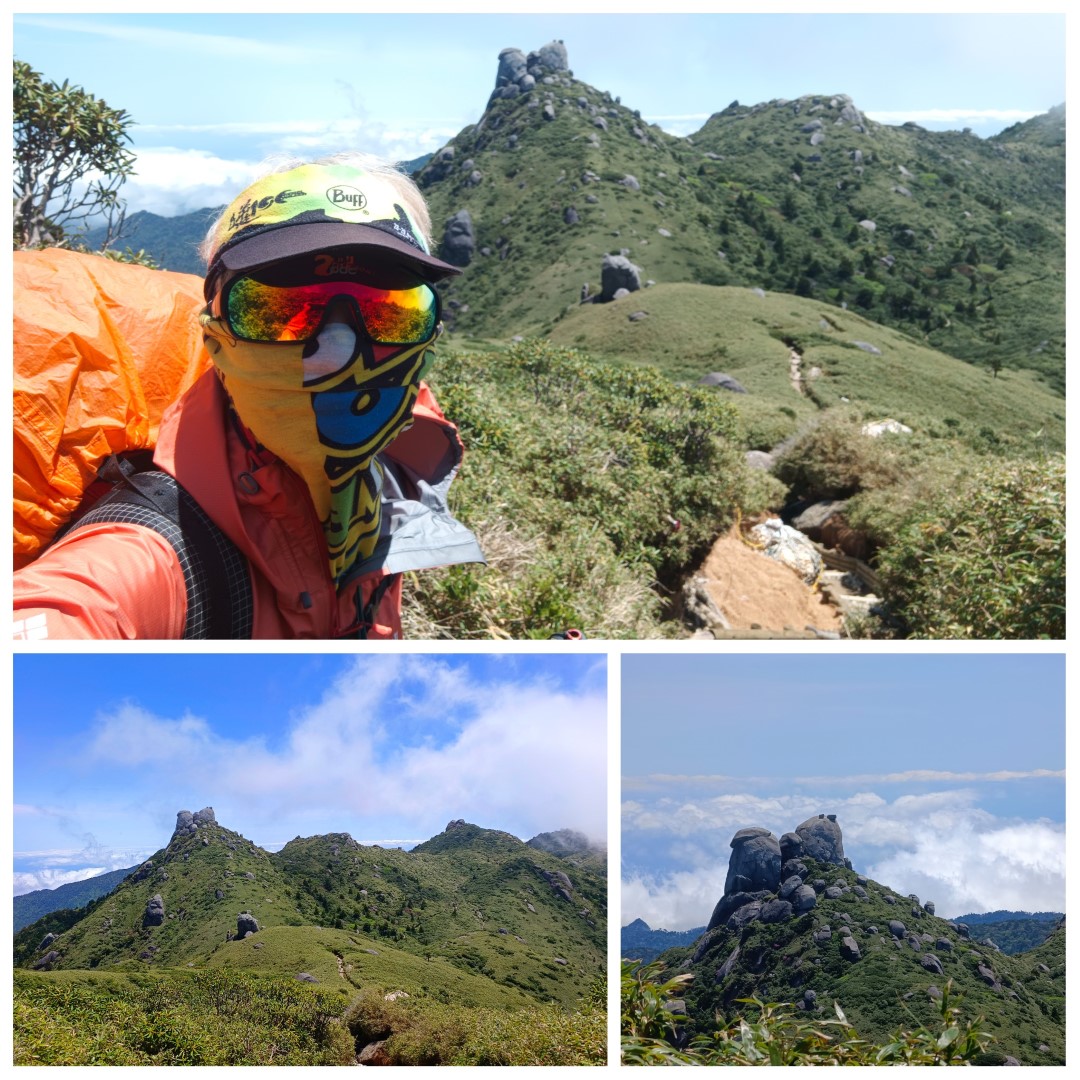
pixel 35 628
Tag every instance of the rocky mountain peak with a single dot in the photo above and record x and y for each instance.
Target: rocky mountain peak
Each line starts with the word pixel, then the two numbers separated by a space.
pixel 766 879
pixel 188 824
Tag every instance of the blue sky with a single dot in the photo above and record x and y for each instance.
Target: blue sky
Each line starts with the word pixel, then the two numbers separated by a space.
pixel 212 94
pixel 945 771
pixel 388 748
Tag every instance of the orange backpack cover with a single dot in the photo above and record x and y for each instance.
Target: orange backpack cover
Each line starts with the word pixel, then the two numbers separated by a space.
pixel 101 349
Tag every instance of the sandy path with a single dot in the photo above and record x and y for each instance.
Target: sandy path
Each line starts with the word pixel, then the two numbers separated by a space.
pixel 751 589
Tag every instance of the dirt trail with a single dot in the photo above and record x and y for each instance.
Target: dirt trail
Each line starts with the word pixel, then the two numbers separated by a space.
pixel 754 591
pixel 795 366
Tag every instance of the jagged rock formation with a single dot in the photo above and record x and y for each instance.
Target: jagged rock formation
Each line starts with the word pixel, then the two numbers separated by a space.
pixel 518 74
pixel 188 824
pixel 766 877
pixel 155 911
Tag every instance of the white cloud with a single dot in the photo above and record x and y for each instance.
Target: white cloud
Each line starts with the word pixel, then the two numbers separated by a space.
pixel 680 901
pixel 403 739
pixel 958 117
pixel 941 845
pixel 184 42
pixel 52 879
pixel 979 865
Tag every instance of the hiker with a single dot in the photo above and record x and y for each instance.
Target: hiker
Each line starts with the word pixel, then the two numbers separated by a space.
pixel 319 457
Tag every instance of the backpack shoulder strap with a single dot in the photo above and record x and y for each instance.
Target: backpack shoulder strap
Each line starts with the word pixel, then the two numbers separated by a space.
pixel 216 574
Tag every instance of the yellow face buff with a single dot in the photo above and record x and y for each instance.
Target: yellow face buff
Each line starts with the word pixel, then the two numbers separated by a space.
pixel 329 436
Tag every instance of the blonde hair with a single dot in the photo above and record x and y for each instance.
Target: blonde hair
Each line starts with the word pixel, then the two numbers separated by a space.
pixel 407 191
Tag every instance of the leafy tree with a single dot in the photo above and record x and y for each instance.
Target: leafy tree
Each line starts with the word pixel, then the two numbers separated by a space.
pixel 69 159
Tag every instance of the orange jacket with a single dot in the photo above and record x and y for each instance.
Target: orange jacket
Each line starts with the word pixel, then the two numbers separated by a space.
pixel 124 581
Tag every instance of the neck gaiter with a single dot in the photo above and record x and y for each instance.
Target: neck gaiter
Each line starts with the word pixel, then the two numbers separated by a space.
pixel 325 408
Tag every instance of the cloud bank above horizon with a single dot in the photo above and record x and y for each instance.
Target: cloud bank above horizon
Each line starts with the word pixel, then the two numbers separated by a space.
pixel 940 844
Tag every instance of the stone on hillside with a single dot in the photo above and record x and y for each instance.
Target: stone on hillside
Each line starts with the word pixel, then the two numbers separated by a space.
pixel 728 966
pixel 803 899
pixel 746 914
pixel 791 844
pixel 914 942
pixel 46 962
pixel 809 999
pixel 548 59
pixel 871 929
pixel 458 243
pixel 844 917
pixel 618 272
pixel 849 949
pixel 218 894
pixel 46 941
pixel 789 867
pixel 760 460
pixel 511 67
pixel 943 945
pixel 205 816
pixel 812 126
pixel 822 934
pixel 833 893
pixel 549 111
pixel 789 885
pixel 774 911
pixel 934 992
pixel 822 839
pixel 860 892
pixel 630 182
pixel 889 899
pixel 932 963
pixel 790 548
pixel 246 923
pixel 439 167
pixel 474 178
pixel 961 929
pixel 988 977
pixel 570 216
pixel 185 824
pixel 637 316
pixel 154 915
pixel 897 928
pixel 726 382
pixel 877 428
pixel 820 885
pixel 929 908
pixel 813 519
pixel 867 347
pixel 305 977
pixel 868 225
pixel 754 863
pixel 600 122
pixel 374 1054
pixel 817 138
pixel 759 293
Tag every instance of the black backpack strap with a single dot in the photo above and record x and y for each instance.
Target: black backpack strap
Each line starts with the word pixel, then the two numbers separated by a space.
pixel 216 574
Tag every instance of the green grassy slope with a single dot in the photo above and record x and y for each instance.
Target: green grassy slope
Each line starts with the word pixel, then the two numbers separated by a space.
pixel 692 330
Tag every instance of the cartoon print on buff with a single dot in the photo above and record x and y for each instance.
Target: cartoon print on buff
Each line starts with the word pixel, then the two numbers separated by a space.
pixel 362 409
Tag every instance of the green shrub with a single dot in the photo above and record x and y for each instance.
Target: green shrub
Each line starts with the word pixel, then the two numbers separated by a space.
pixel 587 485
pixel 988 559
pixel 426 1032
pixel 834 459
pixel 773 1034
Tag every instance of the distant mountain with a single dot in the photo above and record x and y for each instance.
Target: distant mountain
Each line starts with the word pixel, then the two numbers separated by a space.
pixel 797 924
pixel 31 906
pixel 172 242
pixel 641 942
pixel 474 910
pixel 1012 931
